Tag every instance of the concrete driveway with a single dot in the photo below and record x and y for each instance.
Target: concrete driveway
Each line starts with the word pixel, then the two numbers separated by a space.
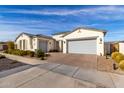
pixel 52 75
pixel 80 60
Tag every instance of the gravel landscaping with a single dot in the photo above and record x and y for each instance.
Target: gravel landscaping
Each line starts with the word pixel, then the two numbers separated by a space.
pixel 6 64
pixel 106 65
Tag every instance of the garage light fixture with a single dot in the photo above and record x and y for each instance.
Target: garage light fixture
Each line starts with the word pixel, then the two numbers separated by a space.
pixel 100 40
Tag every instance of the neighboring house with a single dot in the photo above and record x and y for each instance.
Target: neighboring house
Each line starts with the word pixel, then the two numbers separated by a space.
pixel 80 41
pixel 114 46
pixel 32 42
pixel 3 46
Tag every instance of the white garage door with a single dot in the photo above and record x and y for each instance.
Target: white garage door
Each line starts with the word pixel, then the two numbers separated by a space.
pixel 82 46
pixel 43 45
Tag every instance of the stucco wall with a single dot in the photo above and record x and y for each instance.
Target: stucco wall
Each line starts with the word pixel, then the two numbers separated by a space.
pixel 86 33
pixel 23 37
pixel 33 43
pixel 121 48
pixel 51 45
pixel 59 39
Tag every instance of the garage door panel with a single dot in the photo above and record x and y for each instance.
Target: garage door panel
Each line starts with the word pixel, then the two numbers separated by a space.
pixel 43 45
pixel 82 46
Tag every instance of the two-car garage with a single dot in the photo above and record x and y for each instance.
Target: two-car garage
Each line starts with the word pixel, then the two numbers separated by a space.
pixel 84 41
pixel 82 46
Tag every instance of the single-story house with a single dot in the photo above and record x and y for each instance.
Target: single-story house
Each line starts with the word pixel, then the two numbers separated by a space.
pixel 26 41
pixel 114 46
pixel 80 41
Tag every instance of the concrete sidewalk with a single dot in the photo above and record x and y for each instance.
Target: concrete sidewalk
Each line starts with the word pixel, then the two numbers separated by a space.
pixel 37 77
pixel 26 60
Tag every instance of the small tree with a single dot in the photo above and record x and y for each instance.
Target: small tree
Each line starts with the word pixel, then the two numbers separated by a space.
pixel 11 45
pixel 40 53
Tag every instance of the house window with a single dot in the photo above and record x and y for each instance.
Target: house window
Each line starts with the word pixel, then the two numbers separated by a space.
pixel 31 43
pixel 24 44
pixel 20 44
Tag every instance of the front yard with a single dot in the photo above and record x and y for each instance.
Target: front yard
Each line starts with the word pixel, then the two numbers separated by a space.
pixel 6 64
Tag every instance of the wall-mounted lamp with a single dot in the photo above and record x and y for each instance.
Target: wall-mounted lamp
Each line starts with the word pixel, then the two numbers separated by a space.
pixel 100 40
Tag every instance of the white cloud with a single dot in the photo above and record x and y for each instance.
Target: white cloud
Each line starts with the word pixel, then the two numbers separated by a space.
pixel 104 12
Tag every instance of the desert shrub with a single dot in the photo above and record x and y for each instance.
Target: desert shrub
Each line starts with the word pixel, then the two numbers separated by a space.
pixel 30 53
pixel 40 53
pixel 10 51
pixel 2 56
pixel 21 53
pixel 11 45
pixel 17 52
pixel 121 65
pixel 119 57
pixel 114 54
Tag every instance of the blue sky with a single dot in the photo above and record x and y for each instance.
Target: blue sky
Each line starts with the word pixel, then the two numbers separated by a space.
pixel 51 19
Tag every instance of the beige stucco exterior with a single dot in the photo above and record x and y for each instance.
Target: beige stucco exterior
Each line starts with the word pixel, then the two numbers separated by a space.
pixel 82 33
pixel 60 41
pixel 121 47
pixel 32 43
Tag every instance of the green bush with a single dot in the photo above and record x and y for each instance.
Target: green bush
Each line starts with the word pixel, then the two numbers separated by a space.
pixel 21 53
pixel 10 51
pixel 16 52
pixel 2 56
pixel 114 54
pixel 11 45
pixel 119 57
pixel 30 53
pixel 40 53
pixel 121 64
